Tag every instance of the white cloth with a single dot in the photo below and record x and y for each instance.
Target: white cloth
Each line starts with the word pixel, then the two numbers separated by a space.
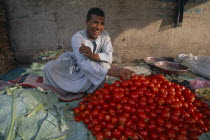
pixel 73 72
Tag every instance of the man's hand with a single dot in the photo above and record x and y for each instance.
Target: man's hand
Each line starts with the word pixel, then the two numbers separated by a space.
pixel 125 73
pixel 86 51
pixel 121 73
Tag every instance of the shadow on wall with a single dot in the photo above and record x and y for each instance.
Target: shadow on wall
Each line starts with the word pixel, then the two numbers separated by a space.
pixel 137 14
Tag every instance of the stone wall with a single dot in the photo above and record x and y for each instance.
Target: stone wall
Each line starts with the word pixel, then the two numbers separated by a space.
pixel 138 28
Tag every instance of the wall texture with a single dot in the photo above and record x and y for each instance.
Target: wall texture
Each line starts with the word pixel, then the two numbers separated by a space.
pixel 138 28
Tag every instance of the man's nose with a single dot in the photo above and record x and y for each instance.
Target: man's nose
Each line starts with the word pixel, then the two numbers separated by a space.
pixel 99 26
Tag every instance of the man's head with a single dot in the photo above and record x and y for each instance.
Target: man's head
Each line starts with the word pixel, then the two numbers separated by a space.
pixel 95 22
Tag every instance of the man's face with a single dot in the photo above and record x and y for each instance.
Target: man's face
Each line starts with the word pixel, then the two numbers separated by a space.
pixel 95 26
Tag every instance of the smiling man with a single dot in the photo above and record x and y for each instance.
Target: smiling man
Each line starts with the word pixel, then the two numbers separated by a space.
pixel 85 69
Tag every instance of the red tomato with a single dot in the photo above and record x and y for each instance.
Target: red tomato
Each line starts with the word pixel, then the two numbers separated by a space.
pixel 112 104
pixel 90 126
pixel 174 118
pixel 160 129
pixel 139 92
pixel 152 106
pixel 181 137
pixel 133 88
pixel 137 83
pixel 95 122
pixel 187 92
pixel 82 107
pixel 107 118
pixel 160 121
pixel 161 101
pixel 124 100
pixel 153 114
pixel 114 119
pixel 116 133
pixel 76 110
pixel 163 137
pixel 107 96
pixel 165 114
pixel 153 135
pixel 98 106
pixel 147 109
pixel 185 105
pixel 133 110
pixel 183 131
pixel 175 128
pixel 100 116
pixel 204 128
pixel 119 111
pixel 103 124
pixel 141 124
pixel 117 96
pixel 154 89
pixel 172 93
pixel 129 124
pixel 86 120
pixel 97 128
pixel 144 82
pixel 205 105
pixel 82 102
pixel 151 126
pixel 134 78
pixel 110 126
pixel 191 98
pixel 168 100
pixel 124 84
pixel 130 83
pixel 176 105
pixel 142 115
pixel 158 110
pixel 122 119
pixel 95 112
pixel 90 106
pixel 190 121
pixel 105 106
pixel 123 137
pixel 111 111
pixel 176 112
pixel 134 117
pixel 141 77
pixel 142 103
pixel 121 127
pixel 134 95
pixel 143 133
pixel 77 119
pixel 168 125
pixel 107 133
pixel 128 132
pixel 127 108
pixel 192 136
pixel 206 112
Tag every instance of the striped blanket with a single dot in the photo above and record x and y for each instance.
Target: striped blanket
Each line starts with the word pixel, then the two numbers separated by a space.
pixel 34 81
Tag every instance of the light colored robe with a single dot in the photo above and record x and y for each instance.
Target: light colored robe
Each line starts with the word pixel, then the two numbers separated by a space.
pixel 73 72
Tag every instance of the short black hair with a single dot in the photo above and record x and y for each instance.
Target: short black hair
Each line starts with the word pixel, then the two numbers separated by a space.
pixel 95 11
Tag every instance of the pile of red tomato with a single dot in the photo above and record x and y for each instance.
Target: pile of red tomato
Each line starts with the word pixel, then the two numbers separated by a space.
pixel 144 107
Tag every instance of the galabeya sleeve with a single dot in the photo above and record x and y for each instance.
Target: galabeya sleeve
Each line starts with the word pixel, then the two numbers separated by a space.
pixel 106 49
pixel 94 72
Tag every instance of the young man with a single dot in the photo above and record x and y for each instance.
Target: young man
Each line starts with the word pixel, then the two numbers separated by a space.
pixel 85 69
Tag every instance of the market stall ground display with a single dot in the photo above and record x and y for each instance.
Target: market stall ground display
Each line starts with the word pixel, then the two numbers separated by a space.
pixel 79 130
pixel 144 107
